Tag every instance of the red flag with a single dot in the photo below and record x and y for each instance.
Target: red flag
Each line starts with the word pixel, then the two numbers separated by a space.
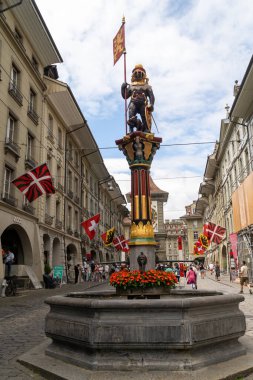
pixel 120 243
pixel 179 243
pixel 215 233
pixel 107 236
pixel 90 225
pixel 198 249
pixel 36 182
pixel 119 44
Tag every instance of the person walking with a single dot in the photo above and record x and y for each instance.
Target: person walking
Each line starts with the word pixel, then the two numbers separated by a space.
pixel 202 270
pixel 217 271
pixel 244 277
pixel 76 267
pixel 191 276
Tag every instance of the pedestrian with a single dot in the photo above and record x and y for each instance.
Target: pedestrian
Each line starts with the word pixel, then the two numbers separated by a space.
pixel 177 272
pixel 107 268
pixel 76 268
pixel 244 279
pixel 169 268
pixel 211 266
pixel 8 259
pixel 191 276
pixel 202 270
pixel 217 271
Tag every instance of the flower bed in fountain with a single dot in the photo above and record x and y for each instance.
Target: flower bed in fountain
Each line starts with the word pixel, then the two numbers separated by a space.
pixel 149 282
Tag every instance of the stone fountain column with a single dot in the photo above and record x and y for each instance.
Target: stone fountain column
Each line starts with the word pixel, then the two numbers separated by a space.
pixel 139 149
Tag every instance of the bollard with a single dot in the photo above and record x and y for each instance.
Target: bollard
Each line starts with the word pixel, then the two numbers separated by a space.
pixel 4 286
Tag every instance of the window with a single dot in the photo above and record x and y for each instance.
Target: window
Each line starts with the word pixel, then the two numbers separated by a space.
pixel 18 36
pixel 8 176
pixel 14 77
pixel 76 185
pixel 60 138
pixel 57 210
pixel 70 180
pixel 69 217
pixel 11 129
pixel 32 107
pixel 50 131
pixel 76 159
pixel 76 221
pixel 35 63
pixel 195 235
pixel 32 100
pixel 247 161
pixel 29 148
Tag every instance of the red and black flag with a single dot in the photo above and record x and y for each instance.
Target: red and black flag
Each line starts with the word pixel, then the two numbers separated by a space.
pixel 215 233
pixel 36 182
pixel 119 43
pixel 121 243
pixel 107 237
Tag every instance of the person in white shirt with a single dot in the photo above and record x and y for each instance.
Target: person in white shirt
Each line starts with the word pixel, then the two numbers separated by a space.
pixel 8 259
pixel 244 278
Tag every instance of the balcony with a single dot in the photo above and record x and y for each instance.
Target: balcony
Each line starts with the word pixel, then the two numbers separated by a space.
pixel 60 187
pixel 33 115
pixel 58 224
pixel 69 231
pixel 49 219
pixel 15 93
pixel 9 199
pixel 76 234
pixel 86 213
pixel 12 148
pixel 50 136
pixel 70 194
pixel 76 199
pixel 30 163
pixel 28 208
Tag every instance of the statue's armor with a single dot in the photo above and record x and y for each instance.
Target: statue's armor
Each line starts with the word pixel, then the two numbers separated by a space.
pixel 140 93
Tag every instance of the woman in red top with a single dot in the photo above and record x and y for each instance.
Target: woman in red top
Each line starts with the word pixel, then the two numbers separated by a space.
pixel 192 278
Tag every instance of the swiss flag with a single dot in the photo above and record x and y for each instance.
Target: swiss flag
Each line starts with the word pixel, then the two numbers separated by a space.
pixel 36 182
pixel 121 243
pixel 90 226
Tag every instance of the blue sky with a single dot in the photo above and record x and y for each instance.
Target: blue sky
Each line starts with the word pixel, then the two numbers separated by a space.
pixel 193 51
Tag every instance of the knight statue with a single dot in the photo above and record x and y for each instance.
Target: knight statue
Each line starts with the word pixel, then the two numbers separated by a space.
pixel 142 100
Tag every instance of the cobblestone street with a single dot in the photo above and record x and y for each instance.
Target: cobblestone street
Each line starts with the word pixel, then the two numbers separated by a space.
pixel 22 322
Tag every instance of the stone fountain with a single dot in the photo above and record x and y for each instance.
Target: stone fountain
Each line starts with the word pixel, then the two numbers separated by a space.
pixel 180 331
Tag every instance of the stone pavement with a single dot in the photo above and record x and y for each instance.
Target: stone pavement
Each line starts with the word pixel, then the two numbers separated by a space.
pixel 22 323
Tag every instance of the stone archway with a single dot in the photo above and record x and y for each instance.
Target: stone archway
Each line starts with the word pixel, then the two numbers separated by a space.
pixel 15 238
pixel 56 253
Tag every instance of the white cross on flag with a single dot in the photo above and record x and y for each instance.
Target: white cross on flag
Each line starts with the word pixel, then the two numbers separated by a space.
pixel 90 226
pixel 121 243
pixel 215 233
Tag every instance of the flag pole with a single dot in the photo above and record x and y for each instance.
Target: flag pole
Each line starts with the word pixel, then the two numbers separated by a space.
pixel 123 23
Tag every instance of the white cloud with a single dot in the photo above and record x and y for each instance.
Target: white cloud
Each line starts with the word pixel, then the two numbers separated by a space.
pixel 193 52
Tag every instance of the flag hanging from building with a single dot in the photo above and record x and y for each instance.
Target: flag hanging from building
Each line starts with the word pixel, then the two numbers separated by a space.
pixel 215 233
pixel 107 237
pixel 179 243
pixel 36 182
pixel 90 226
pixel 198 249
pixel 120 243
pixel 119 43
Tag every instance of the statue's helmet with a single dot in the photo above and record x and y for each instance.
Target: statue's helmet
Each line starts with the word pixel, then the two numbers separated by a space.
pixel 138 73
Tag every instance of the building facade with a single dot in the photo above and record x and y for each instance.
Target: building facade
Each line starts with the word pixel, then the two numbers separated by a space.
pixel 176 228
pixel 42 122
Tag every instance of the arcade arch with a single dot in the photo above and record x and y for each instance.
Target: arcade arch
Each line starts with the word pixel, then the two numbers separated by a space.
pixel 15 238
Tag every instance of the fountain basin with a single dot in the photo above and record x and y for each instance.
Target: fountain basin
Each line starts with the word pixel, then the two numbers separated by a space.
pixel 181 331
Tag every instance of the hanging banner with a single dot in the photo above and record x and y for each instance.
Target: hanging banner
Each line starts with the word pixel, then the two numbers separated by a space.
pixel 233 240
